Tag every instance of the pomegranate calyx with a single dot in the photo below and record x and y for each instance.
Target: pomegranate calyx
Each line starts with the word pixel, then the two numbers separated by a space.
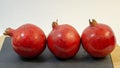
pixel 93 22
pixel 55 24
pixel 9 31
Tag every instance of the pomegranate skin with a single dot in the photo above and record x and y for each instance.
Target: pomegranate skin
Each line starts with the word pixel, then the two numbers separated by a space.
pixel 28 40
pixel 63 41
pixel 98 40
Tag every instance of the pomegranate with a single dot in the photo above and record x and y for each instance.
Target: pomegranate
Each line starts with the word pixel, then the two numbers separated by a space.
pixel 63 41
pixel 98 39
pixel 28 40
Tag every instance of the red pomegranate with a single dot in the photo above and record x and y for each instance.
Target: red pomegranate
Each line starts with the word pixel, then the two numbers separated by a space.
pixel 63 41
pixel 98 39
pixel 28 40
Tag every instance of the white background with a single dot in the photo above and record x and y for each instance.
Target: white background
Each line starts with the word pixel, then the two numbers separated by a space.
pixel 42 13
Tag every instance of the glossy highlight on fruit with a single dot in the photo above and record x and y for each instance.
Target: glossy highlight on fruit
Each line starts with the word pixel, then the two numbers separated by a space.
pixel 28 40
pixel 63 41
pixel 98 39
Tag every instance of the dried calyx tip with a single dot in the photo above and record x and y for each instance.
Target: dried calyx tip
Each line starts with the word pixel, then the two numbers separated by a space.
pixel 93 22
pixel 8 31
pixel 89 21
pixel 55 23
